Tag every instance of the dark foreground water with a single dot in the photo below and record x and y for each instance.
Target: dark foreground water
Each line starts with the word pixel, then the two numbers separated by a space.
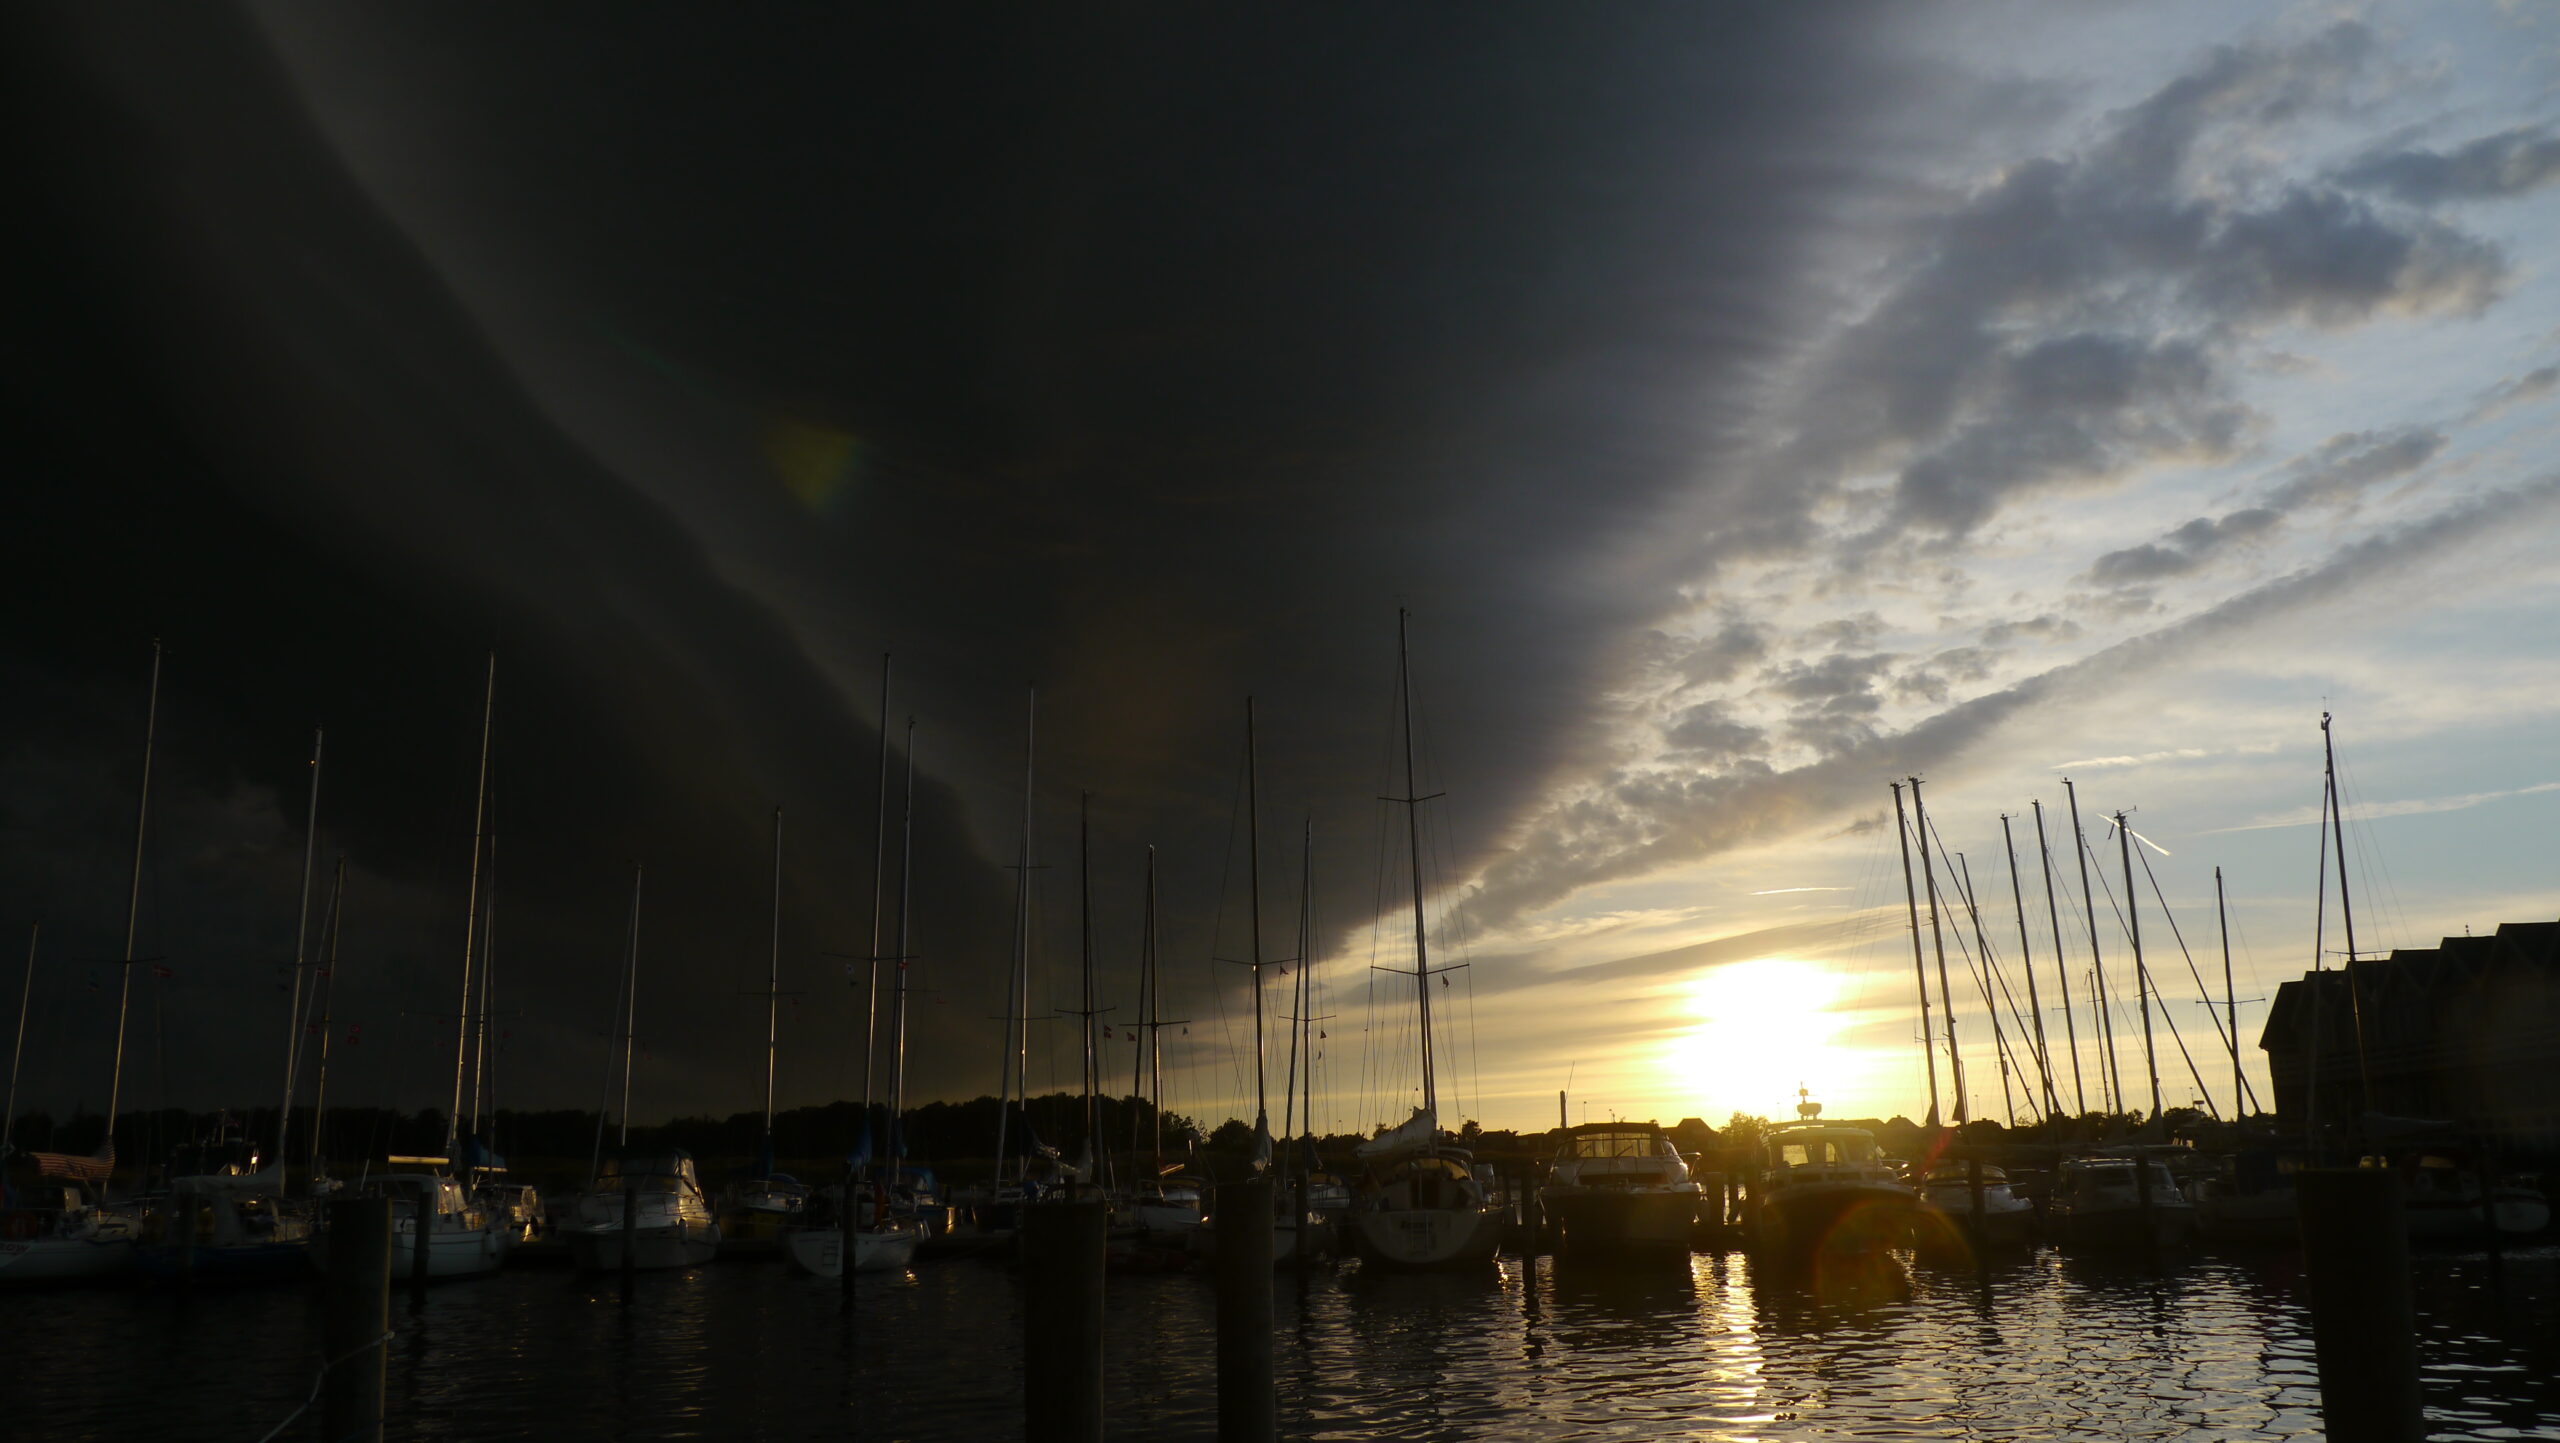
pixel 2049 1346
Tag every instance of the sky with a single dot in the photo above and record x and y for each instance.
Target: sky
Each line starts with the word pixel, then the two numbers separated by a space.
pixel 1753 407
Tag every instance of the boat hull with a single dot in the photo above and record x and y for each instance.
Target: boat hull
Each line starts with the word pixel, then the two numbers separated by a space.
pixel 2521 1212
pixel 2169 1225
pixel 224 1263
pixel 54 1260
pixel 1617 1221
pixel 2264 1217
pixel 1801 1219
pixel 676 1245
pixel 457 1253
pixel 821 1250
pixel 1417 1238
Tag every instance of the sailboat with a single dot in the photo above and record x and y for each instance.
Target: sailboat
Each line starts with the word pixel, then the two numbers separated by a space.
pixel 232 1222
pixel 884 1240
pixel 74 1234
pixel 1159 1211
pixel 649 1196
pixel 756 1209
pixel 1420 1202
pixel 996 1206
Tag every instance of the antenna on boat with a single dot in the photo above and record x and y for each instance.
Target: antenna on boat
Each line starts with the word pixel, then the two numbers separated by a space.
pixel 879 883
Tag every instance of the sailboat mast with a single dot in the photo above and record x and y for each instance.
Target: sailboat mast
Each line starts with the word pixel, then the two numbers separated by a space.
pixel 2230 999
pixel 898 1015
pixel 328 1008
pixel 26 990
pixel 1253 891
pixel 1938 942
pixel 2027 964
pixel 2061 964
pixel 2000 1052
pixel 1297 1016
pixel 1084 929
pixel 1138 1079
pixel 301 939
pixel 879 884
pixel 2113 1078
pixel 630 961
pixel 1919 961
pixel 2141 973
pixel 630 1009
pixel 484 1073
pixel 1016 1053
pixel 1306 977
pixel 133 896
pixel 1412 800
pixel 773 993
pixel 2346 908
pixel 471 925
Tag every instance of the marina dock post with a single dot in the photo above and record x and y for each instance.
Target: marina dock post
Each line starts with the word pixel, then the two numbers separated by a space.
pixel 421 1220
pixel 2355 1262
pixel 1248 1406
pixel 357 1305
pixel 2488 1174
pixel 631 1241
pixel 1062 1253
pixel 2142 1194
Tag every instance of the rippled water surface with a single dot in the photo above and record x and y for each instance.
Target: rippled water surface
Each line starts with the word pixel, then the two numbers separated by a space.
pixel 2044 1347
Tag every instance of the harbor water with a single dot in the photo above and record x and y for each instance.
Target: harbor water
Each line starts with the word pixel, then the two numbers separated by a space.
pixel 2047 1346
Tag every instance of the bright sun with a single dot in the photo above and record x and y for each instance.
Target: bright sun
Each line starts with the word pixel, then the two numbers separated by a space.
pixel 1764 1028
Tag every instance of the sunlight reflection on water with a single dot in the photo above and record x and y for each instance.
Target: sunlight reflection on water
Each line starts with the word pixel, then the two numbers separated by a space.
pixel 2047 1346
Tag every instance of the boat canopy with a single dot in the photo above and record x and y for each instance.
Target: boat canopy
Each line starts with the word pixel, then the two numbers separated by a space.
pixel 1616 1139
pixel 1821 1146
pixel 663 1169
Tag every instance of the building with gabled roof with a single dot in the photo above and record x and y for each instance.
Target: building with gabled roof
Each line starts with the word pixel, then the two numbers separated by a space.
pixel 2467 1031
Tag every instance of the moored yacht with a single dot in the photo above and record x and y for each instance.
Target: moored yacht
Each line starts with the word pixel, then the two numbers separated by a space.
pixel 1953 1209
pixel 225 1227
pixel 1420 1203
pixel 1621 1187
pixel 461 1238
pixel 55 1234
pixel 671 1227
pixel 1825 1189
pixel 2102 1201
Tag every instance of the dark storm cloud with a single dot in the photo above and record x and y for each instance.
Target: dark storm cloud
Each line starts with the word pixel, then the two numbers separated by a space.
pixel 2184 549
pixel 1173 352
pixel 2492 167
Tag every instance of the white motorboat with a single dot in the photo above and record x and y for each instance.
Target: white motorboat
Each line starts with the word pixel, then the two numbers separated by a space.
pixel 755 1212
pixel 61 1237
pixel 671 1226
pixel 2101 1202
pixel 2444 1203
pixel 1825 1190
pixel 461 1238
pixel 885 1249
pixel 1621 1187
pixel 1951 1210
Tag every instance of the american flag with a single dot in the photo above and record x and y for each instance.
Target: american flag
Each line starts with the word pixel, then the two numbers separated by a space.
pixel 76 1168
